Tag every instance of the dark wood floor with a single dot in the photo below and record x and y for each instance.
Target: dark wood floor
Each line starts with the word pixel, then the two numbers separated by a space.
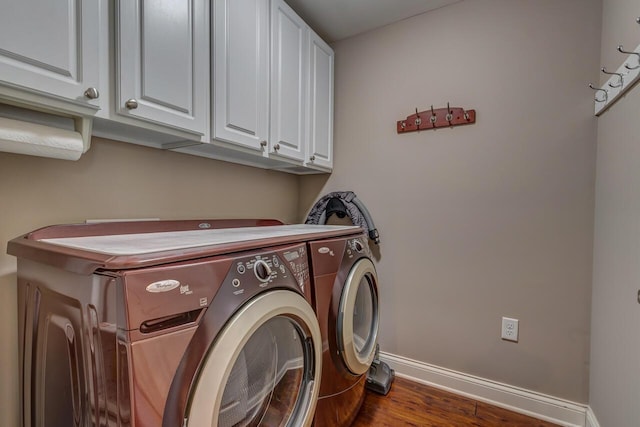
pixel 412 404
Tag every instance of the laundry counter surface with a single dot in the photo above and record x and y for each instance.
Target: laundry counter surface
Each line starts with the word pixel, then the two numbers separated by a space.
pixel 139 247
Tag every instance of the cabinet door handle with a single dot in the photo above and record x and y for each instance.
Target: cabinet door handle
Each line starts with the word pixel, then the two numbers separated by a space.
pixel 91 93
pixel 131 104
pixel 312 158
pixel 263 143
pixel 276 147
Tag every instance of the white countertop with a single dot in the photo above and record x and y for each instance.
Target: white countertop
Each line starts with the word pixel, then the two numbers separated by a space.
pixel 136 244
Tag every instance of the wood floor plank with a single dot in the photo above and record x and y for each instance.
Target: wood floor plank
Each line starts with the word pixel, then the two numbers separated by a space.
pixel 413 404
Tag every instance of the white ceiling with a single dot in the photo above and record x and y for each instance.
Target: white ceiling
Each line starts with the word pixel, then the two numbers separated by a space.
pixel 335 20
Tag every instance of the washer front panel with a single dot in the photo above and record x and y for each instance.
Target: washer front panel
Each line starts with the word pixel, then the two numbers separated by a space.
pixel 280 269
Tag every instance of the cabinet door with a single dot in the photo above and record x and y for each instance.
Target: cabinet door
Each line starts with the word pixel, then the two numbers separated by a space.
pixel 289 47
pixel 320 124
pixel 241 72
pixel 162 67
pixel 51 47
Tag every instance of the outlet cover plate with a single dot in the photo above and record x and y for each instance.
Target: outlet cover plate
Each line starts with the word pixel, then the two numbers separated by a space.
pixel 510 329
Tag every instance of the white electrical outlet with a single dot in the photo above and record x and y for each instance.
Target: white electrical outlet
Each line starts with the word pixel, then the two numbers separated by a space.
pixel 509 329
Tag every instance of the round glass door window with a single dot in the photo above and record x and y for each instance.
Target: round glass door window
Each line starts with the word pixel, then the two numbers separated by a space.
pixel 358 318
pixel 263 369
pixel 363 316
pixel 266 380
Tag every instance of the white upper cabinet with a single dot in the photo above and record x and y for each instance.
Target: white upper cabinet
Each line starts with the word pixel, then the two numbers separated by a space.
pixel 289 76
pixel 241 73
pixel 245 81
pixel 162 62
pixel 320 104
pixel 51 48
pixel 273 86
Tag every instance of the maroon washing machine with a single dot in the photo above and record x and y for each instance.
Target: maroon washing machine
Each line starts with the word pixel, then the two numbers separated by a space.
pixel 345 295
pixel 169 323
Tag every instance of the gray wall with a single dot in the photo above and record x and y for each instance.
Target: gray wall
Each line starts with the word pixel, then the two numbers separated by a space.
pixel 482 221
pixel 118 180
pixel 615 341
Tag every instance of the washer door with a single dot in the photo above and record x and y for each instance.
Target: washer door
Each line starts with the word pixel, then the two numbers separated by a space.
pixel 358 317
pixel 263 369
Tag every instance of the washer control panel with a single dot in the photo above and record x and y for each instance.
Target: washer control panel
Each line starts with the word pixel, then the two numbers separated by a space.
pixel 357 247
pixel 277 268
pixel 298 264
pixel 255 271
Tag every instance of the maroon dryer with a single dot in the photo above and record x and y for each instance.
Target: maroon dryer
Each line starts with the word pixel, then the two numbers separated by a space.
pixel 345 297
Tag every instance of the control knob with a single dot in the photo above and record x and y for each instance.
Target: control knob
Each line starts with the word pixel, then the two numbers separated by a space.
pixel 357 245
pixel 262 270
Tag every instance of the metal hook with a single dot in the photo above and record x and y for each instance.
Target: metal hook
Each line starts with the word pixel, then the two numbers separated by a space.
pixel 418 120
pixel 449 116
pixel 433 117
pixel 621 50
pixel 604 70
pixel 597 89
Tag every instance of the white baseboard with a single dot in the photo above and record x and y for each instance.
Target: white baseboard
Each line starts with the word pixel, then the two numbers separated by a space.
pixel 592 421
pixel 538 405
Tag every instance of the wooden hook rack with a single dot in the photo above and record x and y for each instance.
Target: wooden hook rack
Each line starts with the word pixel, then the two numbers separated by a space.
pixel 438 118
